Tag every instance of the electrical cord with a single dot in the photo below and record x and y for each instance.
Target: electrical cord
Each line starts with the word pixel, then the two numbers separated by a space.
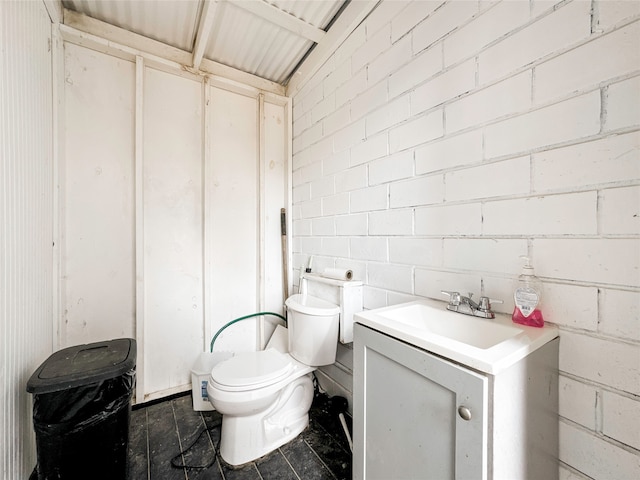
pixel 174 460
pixel 316 385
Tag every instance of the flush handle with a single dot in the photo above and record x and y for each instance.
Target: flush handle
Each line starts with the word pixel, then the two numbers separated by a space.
pixel 464 412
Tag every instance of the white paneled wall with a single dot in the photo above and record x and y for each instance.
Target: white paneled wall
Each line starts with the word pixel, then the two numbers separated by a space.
pixel 173 228
pixel 171 190
pixel 444 139
pixel 98 205
pixel 26 223
pixel 234 195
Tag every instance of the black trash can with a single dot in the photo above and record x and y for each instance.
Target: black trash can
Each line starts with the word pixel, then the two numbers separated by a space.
pixel 81 410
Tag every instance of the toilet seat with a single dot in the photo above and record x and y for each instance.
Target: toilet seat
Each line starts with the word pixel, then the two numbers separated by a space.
pixel 251 370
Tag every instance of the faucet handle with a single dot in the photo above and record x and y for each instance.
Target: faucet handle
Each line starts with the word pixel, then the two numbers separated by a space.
pixel 485 303
pixel 454 297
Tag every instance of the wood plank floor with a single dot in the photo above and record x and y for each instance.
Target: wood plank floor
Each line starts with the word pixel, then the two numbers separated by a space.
pixel 158 433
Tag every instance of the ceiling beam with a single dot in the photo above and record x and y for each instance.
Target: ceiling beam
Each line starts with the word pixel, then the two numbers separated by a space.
pixel 204 31
pixel 54 9
pixel 352 16
pixel 98 28
pixel 108 38
pixel 278 17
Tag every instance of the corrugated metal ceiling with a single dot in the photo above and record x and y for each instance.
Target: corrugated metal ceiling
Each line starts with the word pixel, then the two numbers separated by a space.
pixel 266 38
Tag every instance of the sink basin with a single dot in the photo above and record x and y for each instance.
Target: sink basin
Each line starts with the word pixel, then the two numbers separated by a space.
pixel 473 331
pixel 489 346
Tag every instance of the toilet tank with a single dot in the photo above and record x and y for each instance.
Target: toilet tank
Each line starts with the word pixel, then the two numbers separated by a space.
pixel 347 294
pixel 313 329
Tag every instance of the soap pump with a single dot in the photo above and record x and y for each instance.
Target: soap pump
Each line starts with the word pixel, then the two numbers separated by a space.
pixel 527 298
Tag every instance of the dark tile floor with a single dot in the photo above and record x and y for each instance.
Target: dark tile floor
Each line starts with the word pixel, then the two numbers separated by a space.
pixel 159 431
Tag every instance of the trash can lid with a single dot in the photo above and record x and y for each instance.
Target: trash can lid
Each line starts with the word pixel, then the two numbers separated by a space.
pixel 84 364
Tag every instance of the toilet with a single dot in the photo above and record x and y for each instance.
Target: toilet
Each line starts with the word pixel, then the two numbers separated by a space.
pixel 264 397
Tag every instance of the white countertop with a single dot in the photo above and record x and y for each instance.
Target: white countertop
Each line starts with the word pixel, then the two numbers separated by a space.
pixel 487 345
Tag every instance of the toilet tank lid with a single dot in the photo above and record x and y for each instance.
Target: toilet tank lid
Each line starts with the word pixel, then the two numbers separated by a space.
pixel 252 369
pixel 311 305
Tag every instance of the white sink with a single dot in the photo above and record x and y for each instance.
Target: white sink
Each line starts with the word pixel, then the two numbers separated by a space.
pixel 472 331
pixel 486 345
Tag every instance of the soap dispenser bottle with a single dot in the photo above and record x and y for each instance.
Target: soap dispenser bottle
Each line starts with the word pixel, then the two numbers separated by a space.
pixel 527 298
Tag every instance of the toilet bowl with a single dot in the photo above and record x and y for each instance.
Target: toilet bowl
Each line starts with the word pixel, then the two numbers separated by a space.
pixel 264 397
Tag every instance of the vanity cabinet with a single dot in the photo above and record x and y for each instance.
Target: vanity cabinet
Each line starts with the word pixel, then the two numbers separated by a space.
pixel 418 415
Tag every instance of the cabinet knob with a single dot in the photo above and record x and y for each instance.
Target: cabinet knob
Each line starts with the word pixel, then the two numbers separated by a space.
pixel 464 412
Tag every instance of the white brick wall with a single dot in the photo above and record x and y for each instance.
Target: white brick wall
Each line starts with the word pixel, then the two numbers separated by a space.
pixel 452 151
pixel 509 177
pixel 578 402
pixel 619 311
pixel 605 57
pixel 608 161
pixel 417 70
pixel 623 99
pixel 596 456
pixel 572 119
pixel 444 139
pixel 450 84
pixel 617 361
pixel 445 19
pixel 620 418
pixel 390 168
pixel 494 22
pixel 541 38
pixel 508 97
pixel 416 131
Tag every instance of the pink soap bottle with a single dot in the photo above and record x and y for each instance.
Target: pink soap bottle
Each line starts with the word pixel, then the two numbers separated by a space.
pixel 527 298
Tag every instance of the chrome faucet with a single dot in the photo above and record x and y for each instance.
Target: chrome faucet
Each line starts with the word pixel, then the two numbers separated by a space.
pixel 461 304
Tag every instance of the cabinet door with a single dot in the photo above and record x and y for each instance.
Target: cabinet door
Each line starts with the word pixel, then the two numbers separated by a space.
pixel 407 423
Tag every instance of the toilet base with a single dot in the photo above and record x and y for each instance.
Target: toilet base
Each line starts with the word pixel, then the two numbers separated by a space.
pixel 247 438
